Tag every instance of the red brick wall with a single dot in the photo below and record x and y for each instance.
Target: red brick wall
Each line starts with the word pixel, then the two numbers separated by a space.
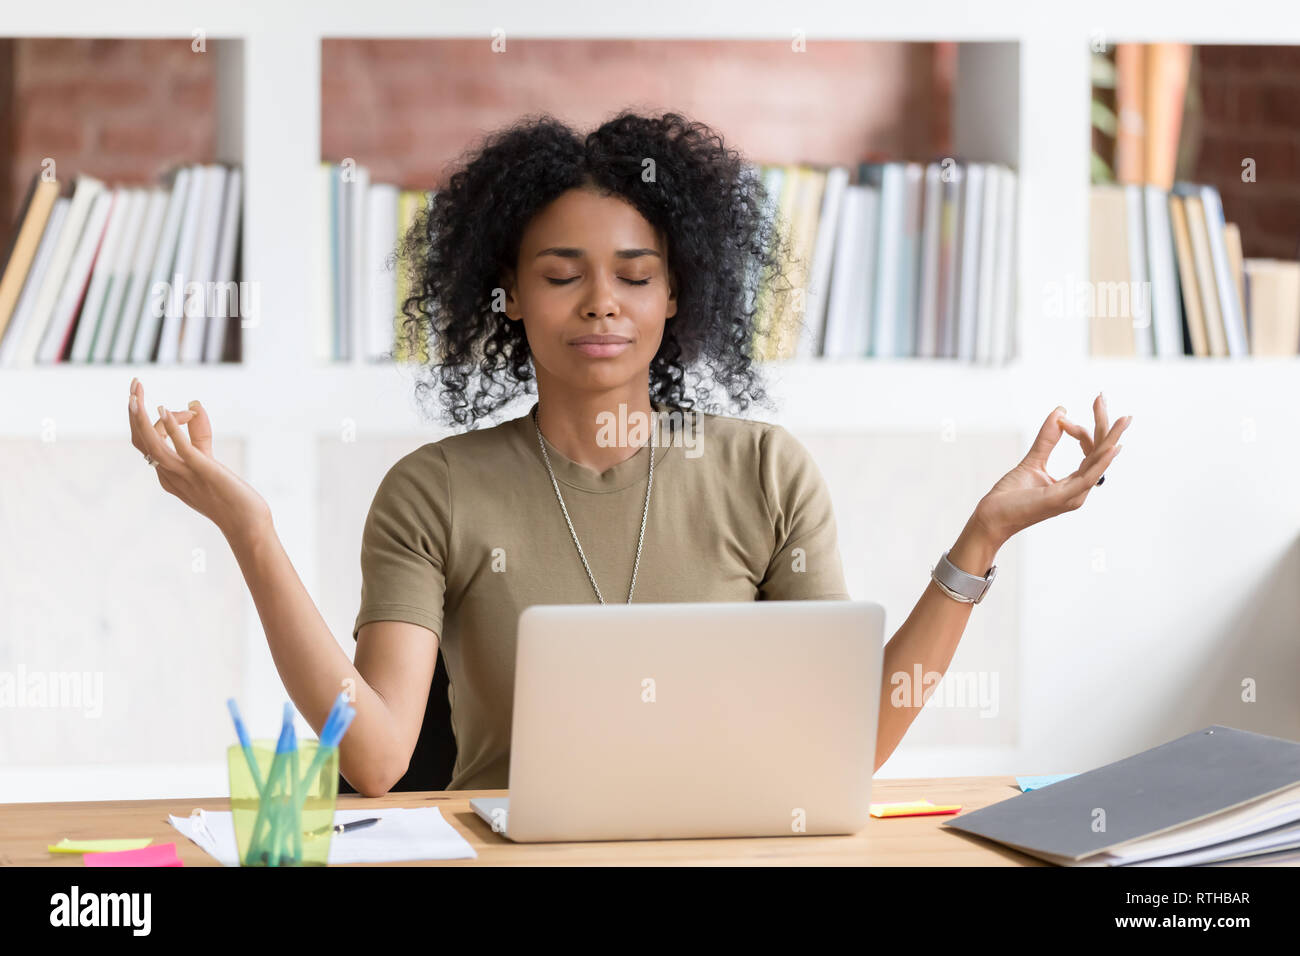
pixel 126 111
pixel 406 108
pixel 1250 98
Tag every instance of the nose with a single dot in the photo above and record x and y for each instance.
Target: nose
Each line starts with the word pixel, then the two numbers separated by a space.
pixel 600 300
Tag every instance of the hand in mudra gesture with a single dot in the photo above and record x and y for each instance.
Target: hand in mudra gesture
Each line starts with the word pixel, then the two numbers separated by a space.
pixel 187 469
pixel 1027 494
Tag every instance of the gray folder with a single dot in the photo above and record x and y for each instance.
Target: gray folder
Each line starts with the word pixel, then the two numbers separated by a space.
pixel 1188 779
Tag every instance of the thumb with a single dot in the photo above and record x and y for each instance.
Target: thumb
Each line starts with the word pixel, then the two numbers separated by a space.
pixel 200 428
pixel 1047 438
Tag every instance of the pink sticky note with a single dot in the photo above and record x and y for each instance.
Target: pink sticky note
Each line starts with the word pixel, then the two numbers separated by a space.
pixel 164 854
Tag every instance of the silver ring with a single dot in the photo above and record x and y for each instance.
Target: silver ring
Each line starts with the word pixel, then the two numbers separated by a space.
pixel 149 460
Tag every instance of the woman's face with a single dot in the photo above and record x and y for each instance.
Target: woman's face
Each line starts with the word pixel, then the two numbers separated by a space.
pixel 592 289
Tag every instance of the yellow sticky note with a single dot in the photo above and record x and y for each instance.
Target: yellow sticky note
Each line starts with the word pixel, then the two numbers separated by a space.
pixel 912 808
pixel 97 846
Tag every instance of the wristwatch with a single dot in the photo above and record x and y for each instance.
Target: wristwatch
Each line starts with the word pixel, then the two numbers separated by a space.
pixel 960 586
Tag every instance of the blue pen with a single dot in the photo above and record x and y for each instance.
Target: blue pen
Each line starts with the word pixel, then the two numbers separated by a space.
pixel 265 811
pixel 246 744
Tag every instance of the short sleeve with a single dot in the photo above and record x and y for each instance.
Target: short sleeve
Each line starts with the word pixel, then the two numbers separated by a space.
pixel 805 563
pixel 404 543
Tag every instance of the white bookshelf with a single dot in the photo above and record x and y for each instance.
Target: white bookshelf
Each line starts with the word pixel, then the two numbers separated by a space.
pixel 1021 98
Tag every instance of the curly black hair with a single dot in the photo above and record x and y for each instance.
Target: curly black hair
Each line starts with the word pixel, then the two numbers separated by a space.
pixel 704 196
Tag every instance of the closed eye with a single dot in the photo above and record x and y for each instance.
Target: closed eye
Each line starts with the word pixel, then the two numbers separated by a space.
pixel 572 278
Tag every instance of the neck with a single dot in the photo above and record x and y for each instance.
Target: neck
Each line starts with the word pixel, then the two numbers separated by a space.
pixel 596 429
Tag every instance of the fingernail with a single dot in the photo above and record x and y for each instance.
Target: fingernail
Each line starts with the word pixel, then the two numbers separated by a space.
pixel 194 405
pixel 1118 449
pixel 162 412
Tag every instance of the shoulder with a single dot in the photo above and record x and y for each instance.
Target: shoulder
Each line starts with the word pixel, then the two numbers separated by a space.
pixel 745 440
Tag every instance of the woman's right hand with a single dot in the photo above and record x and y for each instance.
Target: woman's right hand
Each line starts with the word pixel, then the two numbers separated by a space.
pixel 190 472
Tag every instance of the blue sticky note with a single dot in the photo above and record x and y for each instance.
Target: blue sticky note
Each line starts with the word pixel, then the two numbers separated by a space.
pixel 1037 783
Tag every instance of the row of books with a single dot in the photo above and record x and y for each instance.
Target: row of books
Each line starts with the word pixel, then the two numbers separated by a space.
pixel 1150 83
pixel 1168 278
pixel 364 284
pixel 126 274
pixel 910 260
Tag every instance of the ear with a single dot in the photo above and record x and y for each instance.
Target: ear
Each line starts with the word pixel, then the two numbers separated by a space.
pixel 508 281
pixel 672 297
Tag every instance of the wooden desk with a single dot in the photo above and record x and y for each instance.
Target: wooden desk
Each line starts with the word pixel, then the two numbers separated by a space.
pixel 26 829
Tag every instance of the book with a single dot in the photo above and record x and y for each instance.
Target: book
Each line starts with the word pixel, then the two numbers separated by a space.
pixel 380 280
pixel 988 263
pixel 92 308
pixel 26 305
pixel 1198 231
pixel 1138 280
pixel 813 333
pixel 63 317
pixel 1193 313
pixel 182 267
pixel 119 276
pixel 147 341
pixel 1130 113
pixel 1234 328
pixel 38 204
pixel 848 318
pixel 117 346
pixel 1273 302
pixel 1217 790
pixel 968 262
pixel 1236 269
pixel 226 306
pixel 407 346
pixel 950 233
pixel 1166 322
pixel 1168 66
pixel 1109 272
pixel 1004 288
pixel 927 308
pixel 888 180
pixel 197 317
pixel 84 192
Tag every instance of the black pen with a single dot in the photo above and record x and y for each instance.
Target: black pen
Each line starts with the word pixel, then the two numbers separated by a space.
pixel 345 827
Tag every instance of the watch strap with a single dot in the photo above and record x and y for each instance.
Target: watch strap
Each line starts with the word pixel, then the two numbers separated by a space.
pixel 960 585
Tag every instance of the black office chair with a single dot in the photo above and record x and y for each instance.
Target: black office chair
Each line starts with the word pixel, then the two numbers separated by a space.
pixel 435 752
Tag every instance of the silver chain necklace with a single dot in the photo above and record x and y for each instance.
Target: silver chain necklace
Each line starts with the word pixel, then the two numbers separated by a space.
pixel 644 514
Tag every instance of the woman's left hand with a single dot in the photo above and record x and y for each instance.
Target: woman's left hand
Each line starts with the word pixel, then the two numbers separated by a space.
pixel 1027 494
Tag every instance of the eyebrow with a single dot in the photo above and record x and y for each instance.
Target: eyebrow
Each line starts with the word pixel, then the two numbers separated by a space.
pixel 572 252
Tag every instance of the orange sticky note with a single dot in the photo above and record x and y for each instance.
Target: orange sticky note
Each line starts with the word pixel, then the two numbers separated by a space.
pixel 162 855
pixel 912 808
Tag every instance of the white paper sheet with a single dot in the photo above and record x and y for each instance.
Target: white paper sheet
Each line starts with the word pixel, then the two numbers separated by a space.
pixel 402 833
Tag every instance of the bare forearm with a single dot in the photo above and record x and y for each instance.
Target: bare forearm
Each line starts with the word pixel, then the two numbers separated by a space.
pixel 927 640
pixel 311 664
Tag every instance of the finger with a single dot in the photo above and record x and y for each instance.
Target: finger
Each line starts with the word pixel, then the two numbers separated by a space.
pixel 182 417
pixel 1102 415
pixel 1047 438
pixel 200 428
pixel 143 437
pixel 180 440
pixel 1075 430
pixel 1074 489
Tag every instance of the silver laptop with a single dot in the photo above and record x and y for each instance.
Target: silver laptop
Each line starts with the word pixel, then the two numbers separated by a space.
pixel 660 721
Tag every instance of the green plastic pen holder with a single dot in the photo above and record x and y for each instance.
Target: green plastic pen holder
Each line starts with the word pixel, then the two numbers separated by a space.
pixel 311 815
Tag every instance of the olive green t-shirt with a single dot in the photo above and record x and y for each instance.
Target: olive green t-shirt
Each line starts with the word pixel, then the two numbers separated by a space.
pixel 466 532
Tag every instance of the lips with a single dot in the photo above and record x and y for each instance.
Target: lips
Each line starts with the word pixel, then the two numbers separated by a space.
pixel 601 345
pixel 600 340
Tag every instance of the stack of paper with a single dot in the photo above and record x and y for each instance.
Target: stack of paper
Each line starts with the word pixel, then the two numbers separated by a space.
pixel 401 834
pixel 1215 795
